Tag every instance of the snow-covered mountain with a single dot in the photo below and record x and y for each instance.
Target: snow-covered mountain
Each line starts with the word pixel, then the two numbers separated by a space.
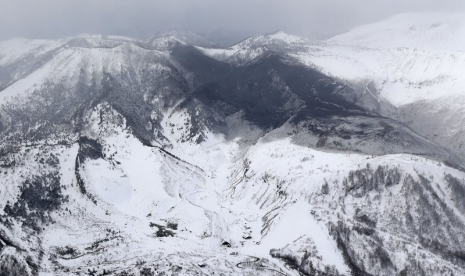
pixel 414 62
pixel 255 46
pixel 427 31
pixel 276 156
pixel 185 36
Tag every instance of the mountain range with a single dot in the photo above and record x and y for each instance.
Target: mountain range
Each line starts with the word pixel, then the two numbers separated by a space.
pixel 278 155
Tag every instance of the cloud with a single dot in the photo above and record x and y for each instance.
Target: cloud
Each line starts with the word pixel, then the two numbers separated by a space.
pixel 141 18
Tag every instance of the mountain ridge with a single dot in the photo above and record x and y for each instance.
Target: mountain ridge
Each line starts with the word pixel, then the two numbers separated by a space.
pixel 148 157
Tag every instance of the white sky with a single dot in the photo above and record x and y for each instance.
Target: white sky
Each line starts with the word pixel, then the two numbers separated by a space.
pixel 141 18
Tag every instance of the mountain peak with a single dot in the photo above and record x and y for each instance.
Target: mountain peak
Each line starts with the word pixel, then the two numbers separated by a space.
pixel 285 37
pixel 187 37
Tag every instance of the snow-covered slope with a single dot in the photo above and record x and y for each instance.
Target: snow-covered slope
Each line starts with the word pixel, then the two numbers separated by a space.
pixel 410 56
pixel 272 208
pixel 128 157
pixel 427 31
pixel 408 61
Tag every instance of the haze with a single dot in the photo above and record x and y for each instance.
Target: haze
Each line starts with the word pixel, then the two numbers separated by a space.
pixel 142 18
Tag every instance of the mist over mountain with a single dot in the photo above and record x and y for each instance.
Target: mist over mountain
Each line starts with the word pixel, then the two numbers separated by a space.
pixel 194 152
pixel 52 19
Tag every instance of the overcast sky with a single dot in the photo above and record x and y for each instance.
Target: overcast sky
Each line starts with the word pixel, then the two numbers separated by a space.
pixel 141 18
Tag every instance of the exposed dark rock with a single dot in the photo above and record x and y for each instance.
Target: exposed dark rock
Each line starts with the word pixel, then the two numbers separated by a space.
pixel 89 148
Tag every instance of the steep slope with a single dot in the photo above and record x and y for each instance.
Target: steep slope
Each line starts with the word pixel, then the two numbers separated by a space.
pixel 402 65
pixel 274 90
pixel 76 78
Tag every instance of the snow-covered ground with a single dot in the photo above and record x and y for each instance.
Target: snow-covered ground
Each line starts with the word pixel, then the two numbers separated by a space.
pixel 268 197
pixel 145 208
pixel 245 203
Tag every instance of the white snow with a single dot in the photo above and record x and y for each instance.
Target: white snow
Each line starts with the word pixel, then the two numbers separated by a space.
pixel 433 31
pixel 297 221
pixel 409 57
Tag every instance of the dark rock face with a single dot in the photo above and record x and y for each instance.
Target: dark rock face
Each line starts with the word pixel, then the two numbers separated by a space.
pixel 271 90
pixel 89 148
